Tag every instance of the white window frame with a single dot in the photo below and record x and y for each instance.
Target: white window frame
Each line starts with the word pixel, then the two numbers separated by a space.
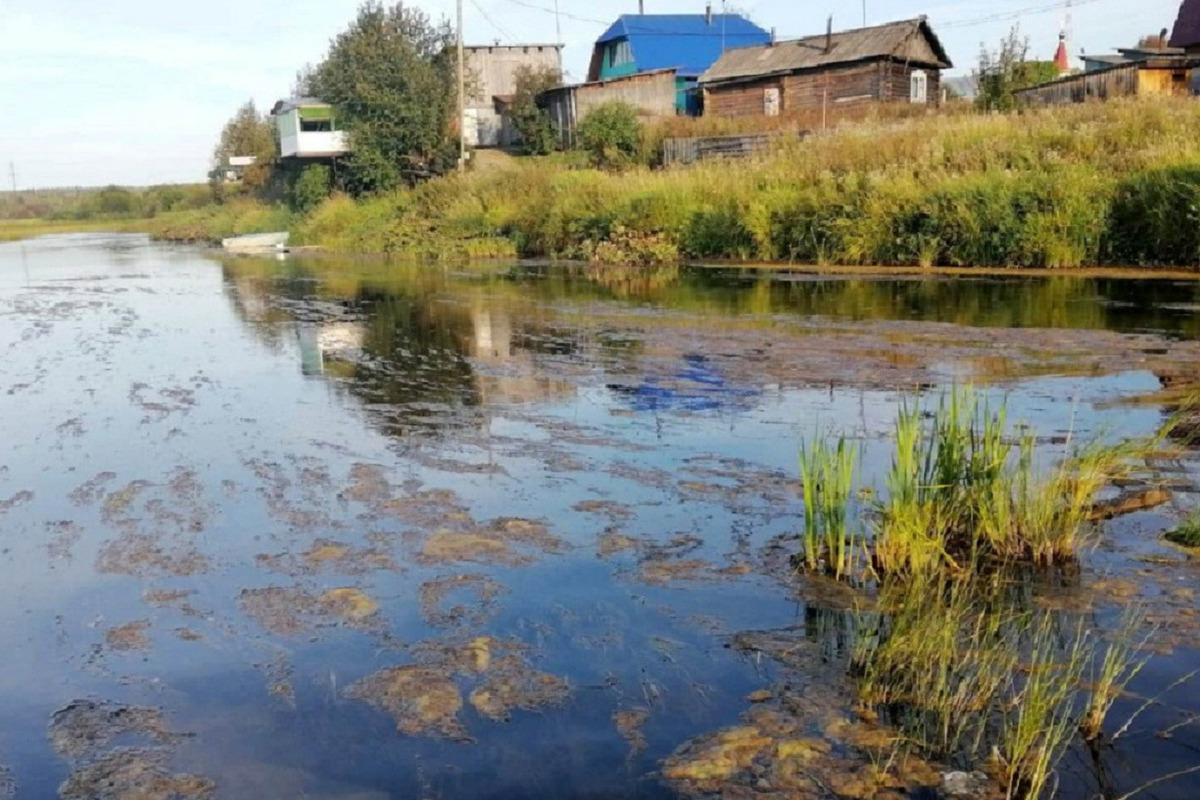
pixel 918 87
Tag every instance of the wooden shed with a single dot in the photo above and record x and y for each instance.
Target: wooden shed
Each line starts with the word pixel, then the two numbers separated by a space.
pixel 896 62
pixel 653 94
pixel 1167 76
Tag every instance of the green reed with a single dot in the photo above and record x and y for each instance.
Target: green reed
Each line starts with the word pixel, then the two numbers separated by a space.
pixel 827 475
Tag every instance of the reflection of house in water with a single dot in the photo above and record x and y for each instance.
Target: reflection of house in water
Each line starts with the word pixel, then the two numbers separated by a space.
pixel 330 348
pixel 507 371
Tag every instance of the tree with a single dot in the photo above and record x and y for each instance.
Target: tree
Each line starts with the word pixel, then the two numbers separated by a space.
pixel 611 134
pixel 1003 72
pixel 248 133
pixel 392 77
pixel 532 122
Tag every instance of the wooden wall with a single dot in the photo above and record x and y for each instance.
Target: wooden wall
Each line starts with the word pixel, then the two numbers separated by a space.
pixel 652 94
pixel 1121 81
pixel 835 89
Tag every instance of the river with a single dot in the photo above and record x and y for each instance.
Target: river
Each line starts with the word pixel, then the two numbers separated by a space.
pixel 307 528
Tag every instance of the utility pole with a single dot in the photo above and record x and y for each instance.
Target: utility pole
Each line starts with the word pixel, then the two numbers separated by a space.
pixel 864 13
pixel 557 26
pixel 462 95
pixel 12 170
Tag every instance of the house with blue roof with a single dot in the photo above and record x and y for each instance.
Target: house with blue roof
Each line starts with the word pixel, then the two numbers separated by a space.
pixel 687 43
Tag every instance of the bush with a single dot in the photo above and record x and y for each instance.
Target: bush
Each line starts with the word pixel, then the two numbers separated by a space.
pixel 312 187
pixel 611 135
pixel 1155 218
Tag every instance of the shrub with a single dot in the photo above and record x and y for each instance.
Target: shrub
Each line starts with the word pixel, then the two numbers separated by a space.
pixel 311 188
pixel 1155 218
pixel 611 134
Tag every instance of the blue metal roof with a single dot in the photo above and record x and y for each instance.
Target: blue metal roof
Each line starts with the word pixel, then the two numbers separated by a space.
pixel 686 42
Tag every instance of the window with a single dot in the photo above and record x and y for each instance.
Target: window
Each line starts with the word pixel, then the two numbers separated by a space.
pixel 620 54
pixel 771 102
pixel 919 87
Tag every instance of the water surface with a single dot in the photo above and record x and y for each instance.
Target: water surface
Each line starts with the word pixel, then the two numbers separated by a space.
pixel 250 509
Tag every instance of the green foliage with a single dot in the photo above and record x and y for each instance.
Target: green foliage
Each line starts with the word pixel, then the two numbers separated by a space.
pixel 533 123
pixel 1088 185
pixel 392 79
pixel 611 134
pixel 248 133
pixel 312 187
pixel 1155 217
pixel 1188 532
pixel 1008 69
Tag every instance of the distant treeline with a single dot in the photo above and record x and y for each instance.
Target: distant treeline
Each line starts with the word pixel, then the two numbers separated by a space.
pixel 107 203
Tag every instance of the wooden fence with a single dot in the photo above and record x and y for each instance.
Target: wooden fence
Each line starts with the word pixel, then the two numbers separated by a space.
pixel 706 148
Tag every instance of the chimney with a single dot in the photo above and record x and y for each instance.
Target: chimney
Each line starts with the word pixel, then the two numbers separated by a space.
pixel 774 36
pixel 1164 39
pixel 829 36
pixel 642 7
pixel 708 14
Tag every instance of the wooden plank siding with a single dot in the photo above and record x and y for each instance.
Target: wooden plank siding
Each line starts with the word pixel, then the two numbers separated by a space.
pixel 834 89
pixel 1138 78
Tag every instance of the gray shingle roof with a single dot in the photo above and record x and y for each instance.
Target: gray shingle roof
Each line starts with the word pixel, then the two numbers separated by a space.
pixel 1187 26
pixel 910 40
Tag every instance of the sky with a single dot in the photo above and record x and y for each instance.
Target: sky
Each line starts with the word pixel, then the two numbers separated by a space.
pixel 135 92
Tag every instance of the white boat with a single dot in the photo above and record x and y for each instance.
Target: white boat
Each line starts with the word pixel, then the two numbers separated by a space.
pixel 257 242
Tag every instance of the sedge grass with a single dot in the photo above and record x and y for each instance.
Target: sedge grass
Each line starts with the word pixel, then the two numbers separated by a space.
pixel 827 475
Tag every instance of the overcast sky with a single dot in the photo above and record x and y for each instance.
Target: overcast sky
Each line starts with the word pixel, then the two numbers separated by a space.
pixel 136 91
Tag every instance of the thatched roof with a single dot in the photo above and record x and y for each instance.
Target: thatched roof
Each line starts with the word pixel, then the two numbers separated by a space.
pixel 912 41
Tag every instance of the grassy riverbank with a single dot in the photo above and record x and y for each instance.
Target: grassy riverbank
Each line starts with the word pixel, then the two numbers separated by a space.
pixel 1117 183
pixel 1101 184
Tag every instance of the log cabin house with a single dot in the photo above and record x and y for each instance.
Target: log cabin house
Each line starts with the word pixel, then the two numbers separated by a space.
pixel 837 71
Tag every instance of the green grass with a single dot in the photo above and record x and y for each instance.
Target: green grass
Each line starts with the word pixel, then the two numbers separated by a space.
pixel 827 474
pixel 17 230
pixel 1096 184
pixel 1188 532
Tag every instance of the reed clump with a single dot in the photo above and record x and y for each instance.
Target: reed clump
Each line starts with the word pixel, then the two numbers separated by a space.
pixel 960 494
pixel 827 476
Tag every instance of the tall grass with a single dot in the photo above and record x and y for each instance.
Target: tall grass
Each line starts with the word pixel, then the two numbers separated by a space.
pixel 827 475
pixel 1062 187
pixel 959 492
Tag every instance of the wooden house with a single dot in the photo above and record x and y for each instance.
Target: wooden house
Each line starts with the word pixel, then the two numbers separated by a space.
pixel 686 43
pixel 897 62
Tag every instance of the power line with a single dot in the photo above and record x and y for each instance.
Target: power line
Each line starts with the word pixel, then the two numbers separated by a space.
pixel 492 22
pixel 566 14
pixel 1008 15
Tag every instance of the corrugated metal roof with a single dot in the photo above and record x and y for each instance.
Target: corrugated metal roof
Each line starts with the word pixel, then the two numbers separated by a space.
pixel 689 43
pixel 1187 25
pixel 292 103
pixel 910 40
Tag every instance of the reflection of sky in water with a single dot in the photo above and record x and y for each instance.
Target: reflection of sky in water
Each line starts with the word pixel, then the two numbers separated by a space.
pixel 157 362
